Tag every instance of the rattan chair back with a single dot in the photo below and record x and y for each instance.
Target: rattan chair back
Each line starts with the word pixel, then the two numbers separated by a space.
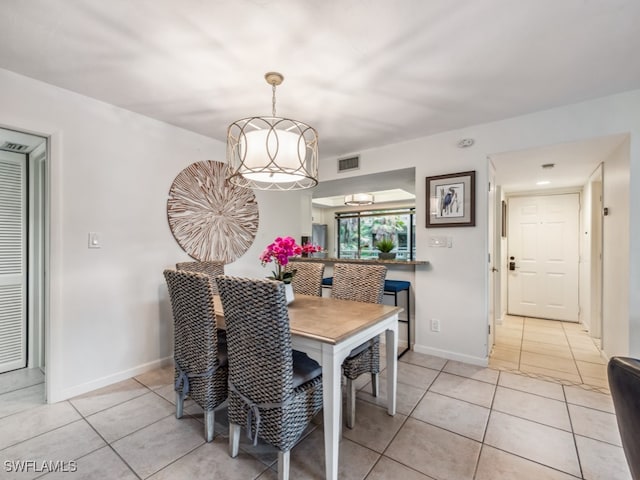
pixel 196 338
pixel 261 363
pixel 212 269
pixel 308 277
pixel 360 283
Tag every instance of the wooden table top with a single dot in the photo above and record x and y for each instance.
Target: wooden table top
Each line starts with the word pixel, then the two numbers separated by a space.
pixel 327 319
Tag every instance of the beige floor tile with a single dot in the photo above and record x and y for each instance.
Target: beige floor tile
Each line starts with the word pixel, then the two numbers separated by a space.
pixel 154 447
pixel 542 322
pixel 575 327
pixel 514 319
pixel 462 388
pixel 545 338
pixel 590 357
pixel 531 385
pixel 551 374
pixel 602 461
pixel 374 428
pixel 596 381
pixel 20 400
pixel 505 341
pixel 17 379
pixel 495 464
pixel 454 415
pixel 594 424
pixel 592 369
pixel 584 348
pixel 106 397
pixel 550 349
pixel 435 452
pixel 407 396
pixel 387 469
pixel 532 407
pixel 414 375
pixel 551 363
pixel 424 360
pixel 509 330
pixel 127 417
pixel 502 364
pixel 157 378
pixel 35 421
pixel 212 460
pixel 482 374
pixel 101 464
pixel 536 442
pixel 307 459
pixel 65 443
pixel 587 398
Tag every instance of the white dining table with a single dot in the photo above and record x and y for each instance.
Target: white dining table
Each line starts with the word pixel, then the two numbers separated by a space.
pixel 327 330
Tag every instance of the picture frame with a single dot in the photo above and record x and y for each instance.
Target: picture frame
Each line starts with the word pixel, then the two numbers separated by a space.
pixel 451 200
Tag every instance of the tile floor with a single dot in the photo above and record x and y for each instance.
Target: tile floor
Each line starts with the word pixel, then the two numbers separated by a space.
pixel 454 421
pixel 548 349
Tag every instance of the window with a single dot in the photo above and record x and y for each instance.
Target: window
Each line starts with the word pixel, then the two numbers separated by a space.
pixel 359 232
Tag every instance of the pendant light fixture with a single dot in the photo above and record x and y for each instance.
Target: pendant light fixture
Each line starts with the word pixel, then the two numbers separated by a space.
pixel 358 199
pixel 272 153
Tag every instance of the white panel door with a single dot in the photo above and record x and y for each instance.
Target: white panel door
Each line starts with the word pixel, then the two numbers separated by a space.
pixel 543 255
pixel 13 330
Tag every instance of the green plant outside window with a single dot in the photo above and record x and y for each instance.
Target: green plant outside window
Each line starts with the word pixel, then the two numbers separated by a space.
pixel 361 233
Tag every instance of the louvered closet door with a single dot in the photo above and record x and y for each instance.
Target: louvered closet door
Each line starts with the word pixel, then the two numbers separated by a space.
pixel 13 278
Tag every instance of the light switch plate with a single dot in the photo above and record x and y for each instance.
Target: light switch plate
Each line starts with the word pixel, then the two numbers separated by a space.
pixel 439 241
pixel 95 240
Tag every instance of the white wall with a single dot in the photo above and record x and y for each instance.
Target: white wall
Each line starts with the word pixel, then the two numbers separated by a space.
pixel 453 289
pixel 110 172
pixel 615 257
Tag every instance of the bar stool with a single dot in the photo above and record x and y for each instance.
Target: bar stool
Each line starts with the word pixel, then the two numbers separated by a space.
pixel 391 287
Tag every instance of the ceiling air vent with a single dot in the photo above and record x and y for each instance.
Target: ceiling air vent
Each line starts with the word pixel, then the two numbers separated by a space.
pixel 14 147
pixel 351 163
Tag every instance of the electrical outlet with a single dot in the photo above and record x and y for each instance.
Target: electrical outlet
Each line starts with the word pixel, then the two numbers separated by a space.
pixel 435 325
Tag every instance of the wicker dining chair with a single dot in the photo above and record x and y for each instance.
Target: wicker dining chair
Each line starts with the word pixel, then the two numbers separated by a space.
pixel 212 269
pixel 308 277
pixel 273 390
pixel 361 283
pixel 201 370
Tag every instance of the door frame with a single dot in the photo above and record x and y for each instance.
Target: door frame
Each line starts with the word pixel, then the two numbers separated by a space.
pixel 53 259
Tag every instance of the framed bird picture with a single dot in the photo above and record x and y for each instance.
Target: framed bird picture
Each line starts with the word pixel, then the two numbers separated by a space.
pixel 452 200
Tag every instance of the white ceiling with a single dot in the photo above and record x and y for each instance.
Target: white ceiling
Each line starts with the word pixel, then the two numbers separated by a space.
pixel 573 164
pixel 362 72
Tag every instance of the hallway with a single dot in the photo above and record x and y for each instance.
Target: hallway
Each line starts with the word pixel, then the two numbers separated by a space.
pixel 549 349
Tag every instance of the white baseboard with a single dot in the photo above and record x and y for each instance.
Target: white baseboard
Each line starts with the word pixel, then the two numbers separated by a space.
pixel 109 379
pixel 480 361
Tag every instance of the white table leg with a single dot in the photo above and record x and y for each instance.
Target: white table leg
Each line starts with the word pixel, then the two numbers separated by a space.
pixel 332 402
pixel 392 367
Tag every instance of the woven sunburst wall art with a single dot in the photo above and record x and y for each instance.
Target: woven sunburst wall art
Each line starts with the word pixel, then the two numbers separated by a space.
pixel 210 218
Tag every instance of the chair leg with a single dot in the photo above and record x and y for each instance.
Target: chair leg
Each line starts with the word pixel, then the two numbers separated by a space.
pixel 209 419
pixel 351 403
pixel 283 465
pixel 179 404
pixel 234 439
pixel 375 387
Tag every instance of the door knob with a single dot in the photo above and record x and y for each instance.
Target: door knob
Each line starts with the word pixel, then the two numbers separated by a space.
pixel 512 263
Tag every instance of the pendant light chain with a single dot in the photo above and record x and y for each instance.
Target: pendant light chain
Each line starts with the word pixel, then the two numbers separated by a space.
pixel 273 100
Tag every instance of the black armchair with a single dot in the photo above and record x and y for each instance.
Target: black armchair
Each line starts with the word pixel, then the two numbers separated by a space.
pixel 624 382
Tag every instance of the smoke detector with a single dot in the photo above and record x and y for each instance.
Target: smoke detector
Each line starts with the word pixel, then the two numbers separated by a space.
pixel 465 143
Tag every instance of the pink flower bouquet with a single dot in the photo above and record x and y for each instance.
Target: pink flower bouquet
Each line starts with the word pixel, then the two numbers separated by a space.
pixel 280 251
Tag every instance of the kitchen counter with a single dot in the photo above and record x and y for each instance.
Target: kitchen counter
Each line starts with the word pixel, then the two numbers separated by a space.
pixel 372 261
